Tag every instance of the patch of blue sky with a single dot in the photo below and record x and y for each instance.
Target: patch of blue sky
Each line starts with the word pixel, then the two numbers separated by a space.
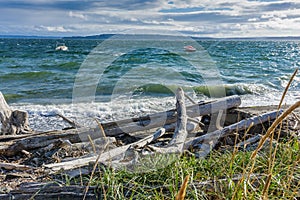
pixel 192 9
pixel 182 10
pixel 60 5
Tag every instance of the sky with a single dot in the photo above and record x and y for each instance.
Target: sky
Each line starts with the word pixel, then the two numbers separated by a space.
pixel 204 18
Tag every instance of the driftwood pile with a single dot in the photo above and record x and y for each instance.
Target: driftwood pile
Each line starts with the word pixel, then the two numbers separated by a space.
pixel 29 155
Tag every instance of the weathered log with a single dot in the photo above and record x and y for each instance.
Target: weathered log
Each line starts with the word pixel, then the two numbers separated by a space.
pixel 180 134
pixel 104 156
pixel 11 145
pixel 50 191
pixel 213 137
pixel 13 166
pixel 72 123
pixel 133 160
pixel 175 146
pixel 40 140
pixel 97 145
pixel 13 121
pixel 162 119
pixel 190 99
pixel 139 124
pixel 249 141
pixel 73 192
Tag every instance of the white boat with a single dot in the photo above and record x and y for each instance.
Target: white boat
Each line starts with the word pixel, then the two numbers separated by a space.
pixel 189 48
pixel 61 47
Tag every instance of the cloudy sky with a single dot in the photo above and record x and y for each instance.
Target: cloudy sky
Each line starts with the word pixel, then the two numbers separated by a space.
pixel 215 18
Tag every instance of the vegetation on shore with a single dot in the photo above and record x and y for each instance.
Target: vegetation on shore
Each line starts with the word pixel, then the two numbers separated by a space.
pixel 271 170
pixel 221 175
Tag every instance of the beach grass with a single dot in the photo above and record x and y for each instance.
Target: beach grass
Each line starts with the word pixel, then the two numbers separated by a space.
pixel 269 171
pixel 220 175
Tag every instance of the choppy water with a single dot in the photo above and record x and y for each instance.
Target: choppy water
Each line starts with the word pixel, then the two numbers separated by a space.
pixel 116 79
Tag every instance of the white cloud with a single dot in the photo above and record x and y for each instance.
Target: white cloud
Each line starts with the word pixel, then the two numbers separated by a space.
pixel 59 29
pixel 77 15
pixel 253 20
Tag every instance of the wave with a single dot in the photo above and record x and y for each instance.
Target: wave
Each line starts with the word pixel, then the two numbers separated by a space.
pixel 232 89
pixel 12 97
pixel 70 65
pixel 26 75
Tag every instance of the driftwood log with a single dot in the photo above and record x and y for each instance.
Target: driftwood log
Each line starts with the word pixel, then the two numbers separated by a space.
pixel 177 119
pixel 104 156
pixel 12 166
pixel 169 117
pixel 13 144
pixel 181 121
pixel 180 134
pixel 211 138
pixel 50 190
pixel 13 121
pixel 53 190
pixel 175 145
pixel 40 140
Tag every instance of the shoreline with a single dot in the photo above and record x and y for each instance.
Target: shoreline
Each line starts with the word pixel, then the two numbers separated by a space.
pixel 16 179
pixel 42 117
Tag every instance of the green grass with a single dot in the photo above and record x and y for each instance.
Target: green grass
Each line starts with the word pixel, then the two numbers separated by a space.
pixel 271 172
pixel 218 176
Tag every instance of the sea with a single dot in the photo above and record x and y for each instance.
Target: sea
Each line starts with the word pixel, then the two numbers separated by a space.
pixel 131 76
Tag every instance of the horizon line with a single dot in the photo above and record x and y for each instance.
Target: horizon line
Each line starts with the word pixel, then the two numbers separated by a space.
pixel 111 34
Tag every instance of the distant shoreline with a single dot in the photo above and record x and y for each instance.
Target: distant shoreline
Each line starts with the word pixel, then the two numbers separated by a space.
pixel 106 36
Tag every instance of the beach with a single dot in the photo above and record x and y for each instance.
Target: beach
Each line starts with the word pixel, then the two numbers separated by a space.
pixel 31 172
pixel 91 84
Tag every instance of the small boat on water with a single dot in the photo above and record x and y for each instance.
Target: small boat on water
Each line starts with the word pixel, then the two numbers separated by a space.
pixel 189 48
pixel 61 47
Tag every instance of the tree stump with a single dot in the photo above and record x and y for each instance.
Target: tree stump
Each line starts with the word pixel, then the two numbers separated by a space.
pixel 13 121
